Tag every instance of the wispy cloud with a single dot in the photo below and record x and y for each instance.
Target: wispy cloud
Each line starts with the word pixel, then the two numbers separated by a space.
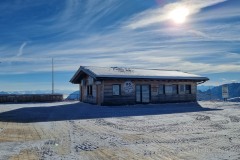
pixel 160 14
pixel 80 35
pixel 200 34
pixel 20 51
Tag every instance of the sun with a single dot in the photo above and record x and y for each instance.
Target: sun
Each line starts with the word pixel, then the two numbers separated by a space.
pixel 179 15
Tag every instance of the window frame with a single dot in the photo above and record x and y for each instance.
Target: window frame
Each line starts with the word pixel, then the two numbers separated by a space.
pixel 175 89
pixel 162 89
pixel 188 90
pixel 182 88
pixel 89 90
pixel 119 89
pixel 168 89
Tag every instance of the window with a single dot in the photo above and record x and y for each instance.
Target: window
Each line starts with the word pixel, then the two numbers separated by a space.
pixel 175 89
pixel 171 89
pixel 161 89
pixel 116 89
pixel 188 89
pixel 168 89
pixel 182 88
pixel 89 90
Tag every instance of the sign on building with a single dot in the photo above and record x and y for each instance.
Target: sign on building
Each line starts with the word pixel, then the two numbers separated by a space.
pixel 128 87
pixel 225 91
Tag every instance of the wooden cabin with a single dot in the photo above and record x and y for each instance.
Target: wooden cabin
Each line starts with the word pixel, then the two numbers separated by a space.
pixel 123 86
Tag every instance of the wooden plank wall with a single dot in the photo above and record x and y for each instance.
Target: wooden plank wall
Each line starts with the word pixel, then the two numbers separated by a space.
pixel 89 98
pixel 180 97
pixel 106 97
pixel 110 99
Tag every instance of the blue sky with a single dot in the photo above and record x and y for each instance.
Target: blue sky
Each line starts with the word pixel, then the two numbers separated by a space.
pixel 132 33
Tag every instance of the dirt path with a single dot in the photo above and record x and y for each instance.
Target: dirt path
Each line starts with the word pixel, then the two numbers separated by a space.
pixel 191 135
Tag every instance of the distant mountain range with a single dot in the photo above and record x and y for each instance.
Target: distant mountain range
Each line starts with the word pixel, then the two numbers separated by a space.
pixel 215 93
pixel 204 88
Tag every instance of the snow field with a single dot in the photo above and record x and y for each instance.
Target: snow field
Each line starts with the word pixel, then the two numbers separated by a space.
pixel 212 134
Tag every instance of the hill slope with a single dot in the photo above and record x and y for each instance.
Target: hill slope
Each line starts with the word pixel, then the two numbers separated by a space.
pixel 216 92
pixel 74 96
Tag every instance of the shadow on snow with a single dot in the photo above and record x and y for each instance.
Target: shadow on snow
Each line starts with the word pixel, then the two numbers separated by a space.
pixel 79 111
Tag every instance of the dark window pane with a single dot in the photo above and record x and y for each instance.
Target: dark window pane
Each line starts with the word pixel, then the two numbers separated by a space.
pixel 89 90
pixel 175 89
pixel 182 88
pixel 188 89
pixel 161 89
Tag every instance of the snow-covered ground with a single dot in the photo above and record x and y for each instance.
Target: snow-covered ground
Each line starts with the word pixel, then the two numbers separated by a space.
pixel 73 130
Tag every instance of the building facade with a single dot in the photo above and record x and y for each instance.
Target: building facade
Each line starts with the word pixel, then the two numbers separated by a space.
pixel 123 86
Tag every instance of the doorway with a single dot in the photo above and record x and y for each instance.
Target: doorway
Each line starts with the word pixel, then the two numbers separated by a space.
pixel 143 93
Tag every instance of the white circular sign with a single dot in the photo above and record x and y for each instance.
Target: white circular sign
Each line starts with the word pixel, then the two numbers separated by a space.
pixel 128 87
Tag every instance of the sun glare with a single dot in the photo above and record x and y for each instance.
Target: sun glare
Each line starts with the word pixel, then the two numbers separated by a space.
pixel 179 15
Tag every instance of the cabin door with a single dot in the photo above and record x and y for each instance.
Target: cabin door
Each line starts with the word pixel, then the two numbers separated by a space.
pixel 143 93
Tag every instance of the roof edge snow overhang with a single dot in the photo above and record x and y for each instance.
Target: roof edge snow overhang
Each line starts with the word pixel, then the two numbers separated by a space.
pixel 74 80
pixel 84 71
pixel 197 79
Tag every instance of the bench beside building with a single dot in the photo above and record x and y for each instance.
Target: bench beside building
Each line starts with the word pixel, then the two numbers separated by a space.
pixel 121 86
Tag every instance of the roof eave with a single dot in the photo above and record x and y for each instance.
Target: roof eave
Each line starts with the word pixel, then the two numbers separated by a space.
pixel 77 74
pixel 154 78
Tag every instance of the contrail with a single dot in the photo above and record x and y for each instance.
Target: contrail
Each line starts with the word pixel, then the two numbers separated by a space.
pixel 20 52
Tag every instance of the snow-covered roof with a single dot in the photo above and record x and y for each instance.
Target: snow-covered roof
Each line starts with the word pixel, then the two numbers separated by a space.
pixel 134 73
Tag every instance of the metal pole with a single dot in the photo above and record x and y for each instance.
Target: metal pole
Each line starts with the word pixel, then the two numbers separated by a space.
pixel 52 77
pixel 210 93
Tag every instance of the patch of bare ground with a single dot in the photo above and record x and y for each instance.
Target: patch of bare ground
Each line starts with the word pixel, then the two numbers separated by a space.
pixel 17 132
pixel 25 155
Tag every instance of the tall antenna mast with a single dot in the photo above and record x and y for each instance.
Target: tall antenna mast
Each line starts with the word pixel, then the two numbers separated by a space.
pixel 52 77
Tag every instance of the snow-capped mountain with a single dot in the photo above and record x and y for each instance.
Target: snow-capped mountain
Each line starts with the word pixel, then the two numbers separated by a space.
pixel 74 96
pixel 215 93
